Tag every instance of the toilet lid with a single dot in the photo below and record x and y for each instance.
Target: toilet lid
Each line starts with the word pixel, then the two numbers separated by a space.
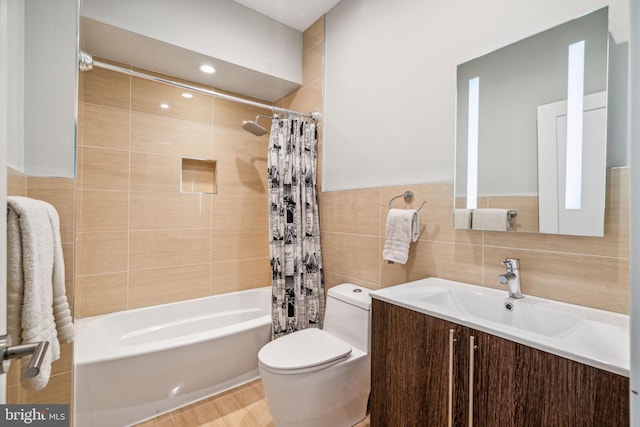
pixel 302 350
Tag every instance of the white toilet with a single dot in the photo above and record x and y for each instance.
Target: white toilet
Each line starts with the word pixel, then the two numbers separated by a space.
pixel 321 377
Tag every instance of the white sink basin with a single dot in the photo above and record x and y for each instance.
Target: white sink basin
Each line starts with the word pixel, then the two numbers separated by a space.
pixel 596 337
pixel 528 314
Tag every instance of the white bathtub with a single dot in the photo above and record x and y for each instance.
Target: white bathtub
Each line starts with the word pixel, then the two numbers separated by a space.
pixel 135 364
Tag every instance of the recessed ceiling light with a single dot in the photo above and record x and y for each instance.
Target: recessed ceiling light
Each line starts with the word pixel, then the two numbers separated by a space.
pixel 207 69
pixel 187 95
pixel 164 106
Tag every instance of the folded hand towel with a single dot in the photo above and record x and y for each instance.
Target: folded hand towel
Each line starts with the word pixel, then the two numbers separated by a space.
pixel 402 228
pixel 491 219
pixel 462 219
pixel 37 308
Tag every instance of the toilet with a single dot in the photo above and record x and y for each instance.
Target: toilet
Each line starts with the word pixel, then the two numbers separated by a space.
pixel 321 377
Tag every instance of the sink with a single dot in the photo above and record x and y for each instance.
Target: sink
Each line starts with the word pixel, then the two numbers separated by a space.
pixel 531 315
pixel 595 337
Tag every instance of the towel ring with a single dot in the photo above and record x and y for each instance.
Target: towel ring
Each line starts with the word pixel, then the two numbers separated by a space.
pixel 408 198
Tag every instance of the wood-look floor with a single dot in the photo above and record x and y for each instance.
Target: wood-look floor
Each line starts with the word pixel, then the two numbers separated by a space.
pixel 243 406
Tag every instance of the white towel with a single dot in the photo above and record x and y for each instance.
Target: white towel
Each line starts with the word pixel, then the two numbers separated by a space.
pixel 402 228
pixel 37 307
pixel 491 219
pixel 462 219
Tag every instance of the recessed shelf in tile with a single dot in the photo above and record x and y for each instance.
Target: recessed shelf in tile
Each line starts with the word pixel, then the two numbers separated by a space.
pixel 198 176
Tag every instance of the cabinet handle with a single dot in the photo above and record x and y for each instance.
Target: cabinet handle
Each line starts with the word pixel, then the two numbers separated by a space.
pixel 451 341
pixel 472 348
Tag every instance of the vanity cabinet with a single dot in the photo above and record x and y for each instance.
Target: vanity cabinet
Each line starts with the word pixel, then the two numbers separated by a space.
pixel 430 372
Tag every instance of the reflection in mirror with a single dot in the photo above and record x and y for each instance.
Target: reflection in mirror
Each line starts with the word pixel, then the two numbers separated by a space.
pixel 531 122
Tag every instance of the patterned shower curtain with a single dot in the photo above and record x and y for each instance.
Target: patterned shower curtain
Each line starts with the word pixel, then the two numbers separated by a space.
pixel 294 229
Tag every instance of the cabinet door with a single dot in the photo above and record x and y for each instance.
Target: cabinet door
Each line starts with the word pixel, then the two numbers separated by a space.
pixel 516 385
pixel 409 368
pixel 495 390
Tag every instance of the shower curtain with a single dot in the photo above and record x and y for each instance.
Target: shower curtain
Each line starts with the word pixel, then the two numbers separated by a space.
pixel 294 229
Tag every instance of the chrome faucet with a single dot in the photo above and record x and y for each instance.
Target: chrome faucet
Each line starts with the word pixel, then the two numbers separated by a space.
pixel 512 277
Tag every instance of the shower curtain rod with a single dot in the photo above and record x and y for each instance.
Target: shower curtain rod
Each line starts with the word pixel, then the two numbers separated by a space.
pixel 87 63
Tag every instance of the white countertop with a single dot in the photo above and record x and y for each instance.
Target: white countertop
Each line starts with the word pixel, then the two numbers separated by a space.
pixel 595 337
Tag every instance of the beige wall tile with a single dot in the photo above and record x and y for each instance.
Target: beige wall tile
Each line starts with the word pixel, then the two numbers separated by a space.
pixel 238 275
pixel 101 294
pixel 65 363
pixel 305 99
pixel 104 127
pixel 312 64
pixel 98 253
pixel 352 255
pixel 157 249
pixel 241 161
pixel 155 172
pixel 594 281
pixel 165 285
pixel 333 279
pixel 59 192
pixel 359 212
pixel 108 88
pixel 152 133
pixel 146 97
pixel 101 210
pixel 104 169
pixel 57 391
pixel 237 211
pixel 330 207
pixel 616 215
pixel 240 243
pixel 313 35
pixel 449 261
pixel 158 210
pixel 229 114
pixel 16 183
pixel 68 253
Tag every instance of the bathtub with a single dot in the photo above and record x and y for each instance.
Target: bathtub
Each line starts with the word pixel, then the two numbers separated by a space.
pixel 136 364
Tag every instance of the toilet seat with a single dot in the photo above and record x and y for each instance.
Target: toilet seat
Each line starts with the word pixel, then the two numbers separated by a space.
pixel 303 351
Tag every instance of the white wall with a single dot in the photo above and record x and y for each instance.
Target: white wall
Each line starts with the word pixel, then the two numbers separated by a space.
pixel 13 129
pixel 5 67
pixel 50 87
pixel 204 26
pixel 390 79
pixel 634 119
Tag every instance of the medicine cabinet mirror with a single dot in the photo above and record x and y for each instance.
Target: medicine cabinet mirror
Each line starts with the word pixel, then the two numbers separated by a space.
pixel 531 129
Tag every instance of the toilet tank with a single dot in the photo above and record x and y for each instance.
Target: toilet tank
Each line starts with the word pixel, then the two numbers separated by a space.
pixel 348 314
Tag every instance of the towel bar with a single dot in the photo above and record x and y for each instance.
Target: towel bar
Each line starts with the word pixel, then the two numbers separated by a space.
pixel 408 197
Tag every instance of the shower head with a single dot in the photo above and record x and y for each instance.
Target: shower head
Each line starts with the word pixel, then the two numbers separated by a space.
pixel 254 127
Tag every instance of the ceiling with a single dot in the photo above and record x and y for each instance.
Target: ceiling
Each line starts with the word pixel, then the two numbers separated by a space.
pixel 105 41
pixel 297 14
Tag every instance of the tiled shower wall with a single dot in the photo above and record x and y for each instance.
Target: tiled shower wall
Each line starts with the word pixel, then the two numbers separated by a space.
pixel 60 193
pixel 140 240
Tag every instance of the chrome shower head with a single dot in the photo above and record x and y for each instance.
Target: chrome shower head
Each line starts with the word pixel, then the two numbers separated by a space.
pixel 254 127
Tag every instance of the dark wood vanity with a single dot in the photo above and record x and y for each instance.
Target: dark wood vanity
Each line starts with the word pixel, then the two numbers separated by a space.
pixel 430 372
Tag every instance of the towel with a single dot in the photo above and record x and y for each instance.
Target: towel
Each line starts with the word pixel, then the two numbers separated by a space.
pixel 37 308
pixel 491 219
pixel 402 228
pixel 462 219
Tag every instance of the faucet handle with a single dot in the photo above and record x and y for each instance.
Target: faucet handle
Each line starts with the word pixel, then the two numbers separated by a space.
pixel 511 263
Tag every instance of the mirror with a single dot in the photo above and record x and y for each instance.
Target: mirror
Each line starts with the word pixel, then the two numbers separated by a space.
pixel 528 128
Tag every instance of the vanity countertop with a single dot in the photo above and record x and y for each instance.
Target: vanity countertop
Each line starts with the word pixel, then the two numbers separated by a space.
pixel 595 337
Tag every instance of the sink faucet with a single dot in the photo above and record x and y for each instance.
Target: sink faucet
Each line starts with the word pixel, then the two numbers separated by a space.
pixel 512 277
